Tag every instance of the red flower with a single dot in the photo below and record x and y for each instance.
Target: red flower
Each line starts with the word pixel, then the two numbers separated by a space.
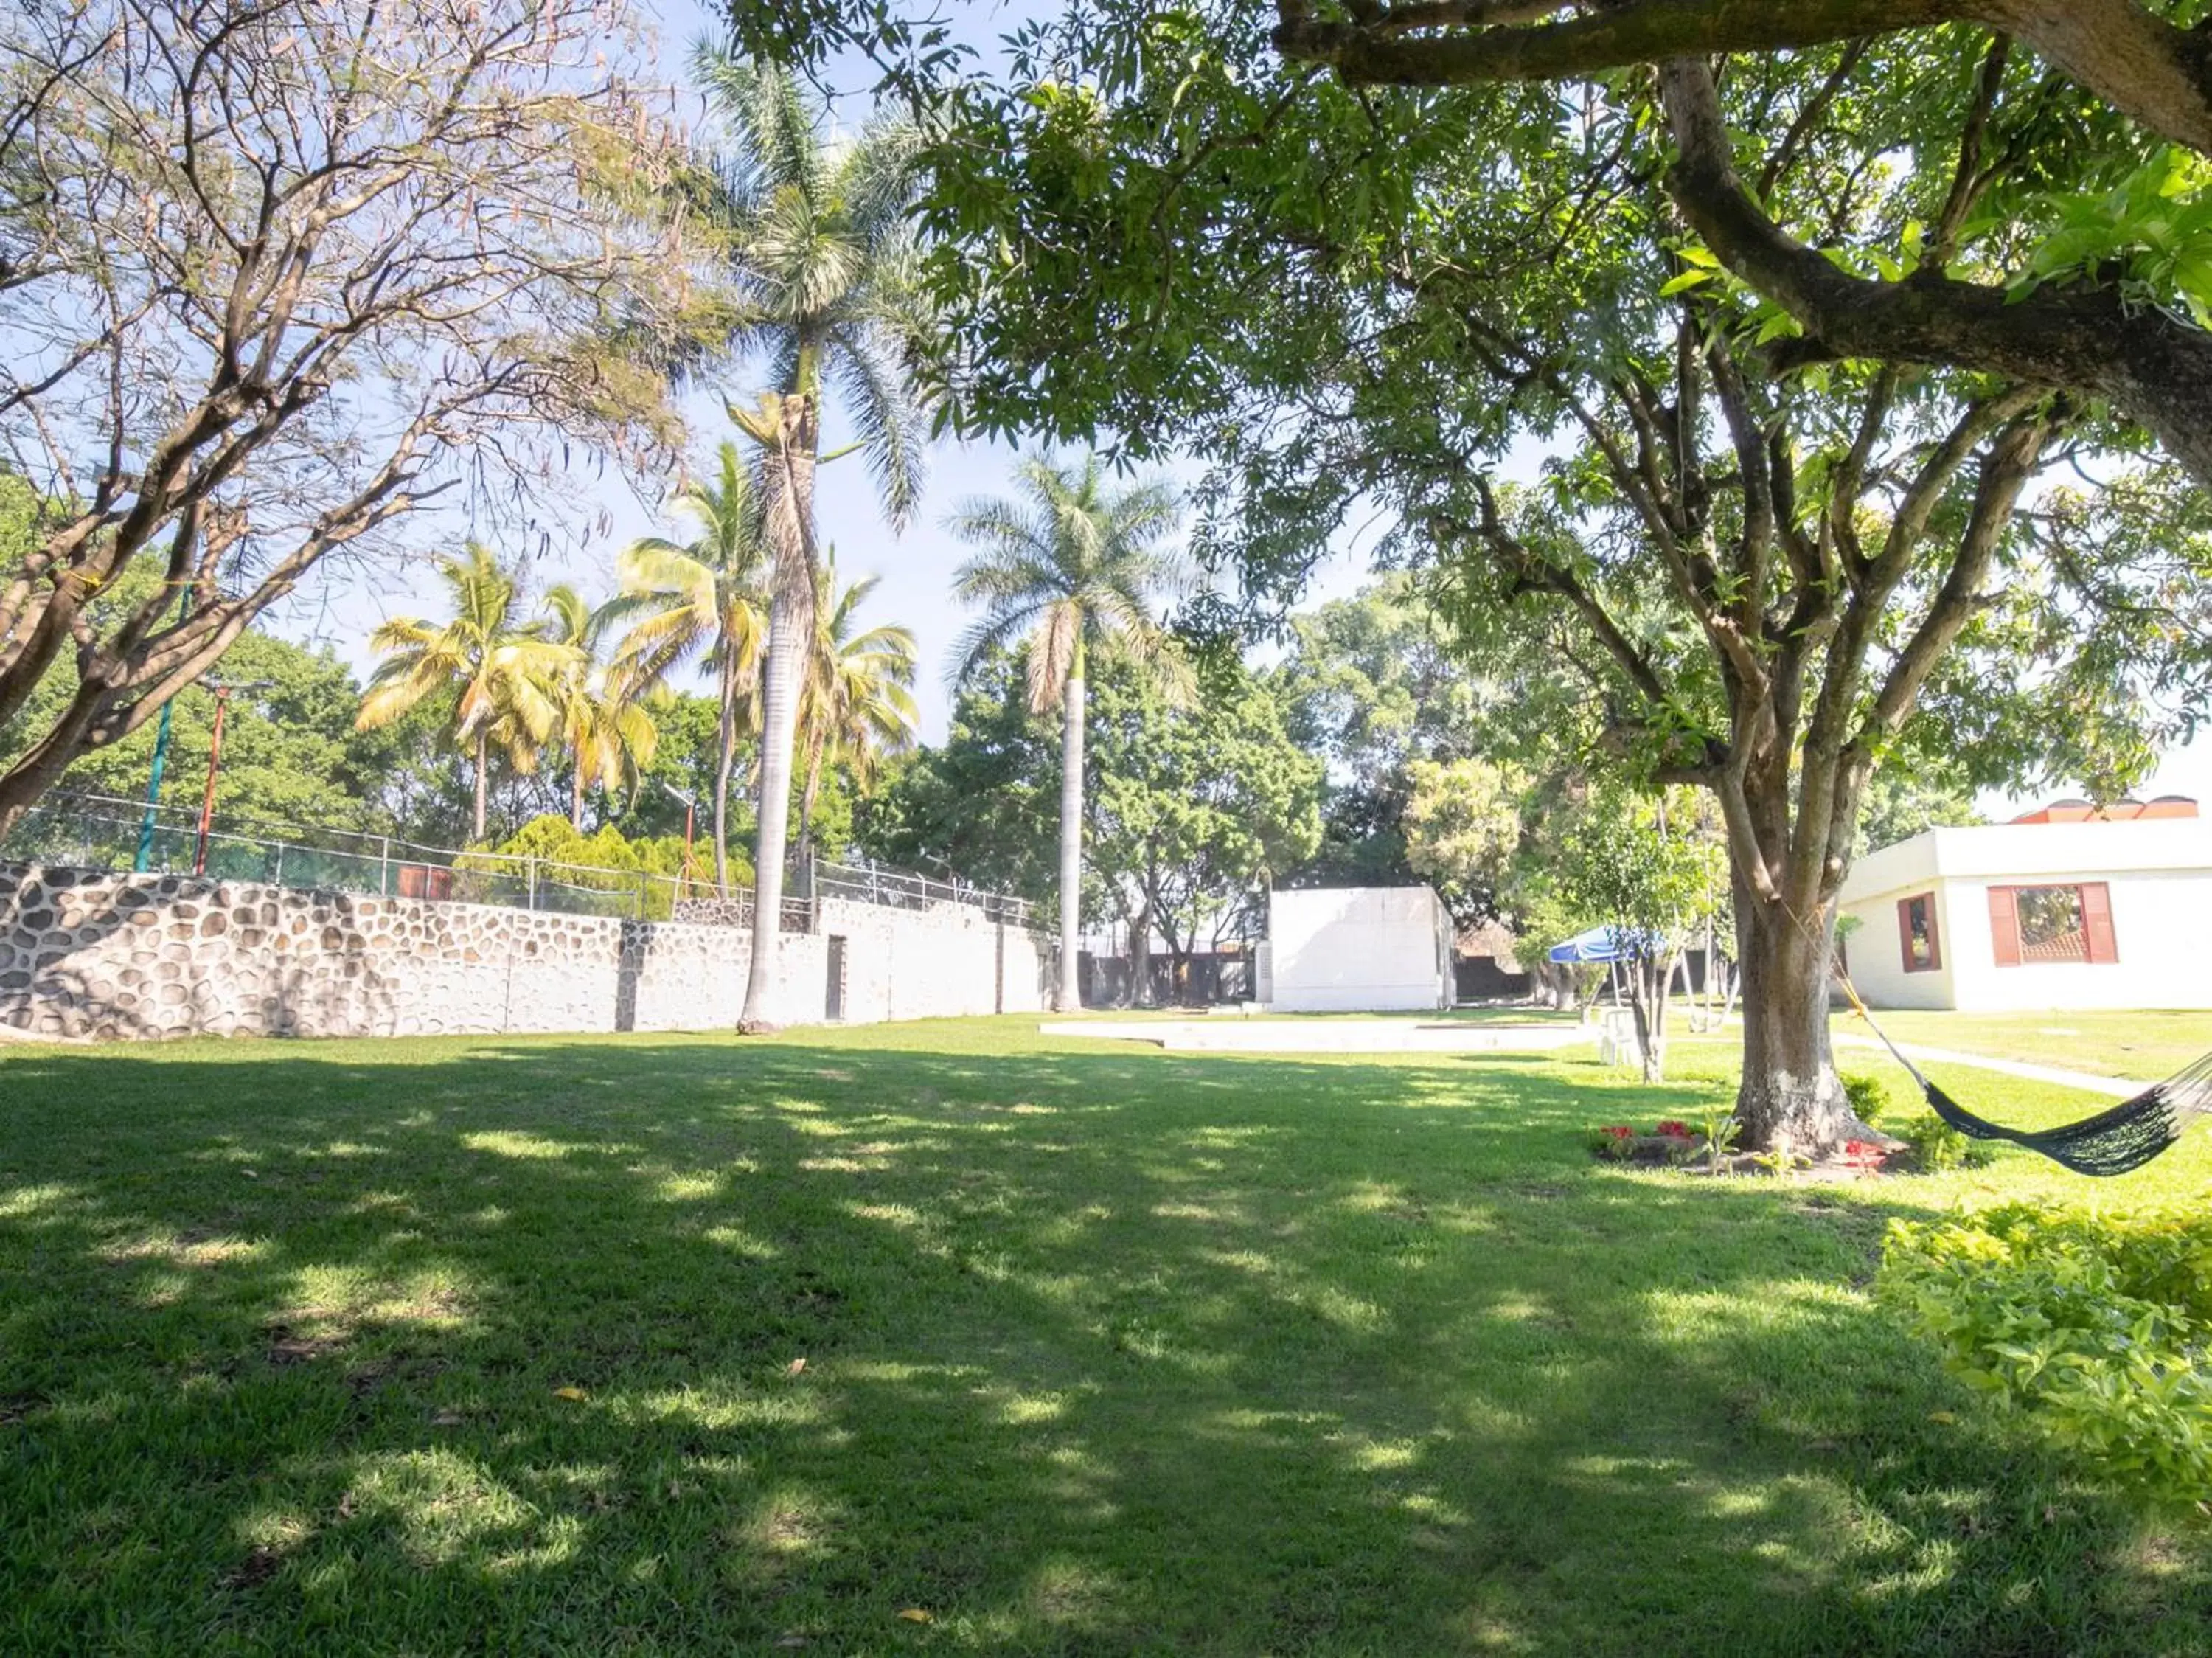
pixel 1674 1130
pixel 1864 1155
pixel 1618 1131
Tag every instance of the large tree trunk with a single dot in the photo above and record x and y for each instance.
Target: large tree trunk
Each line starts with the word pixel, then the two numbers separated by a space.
pixel 1069 997
pixel 790 635
pixel 1790 1098
pixel 1140 955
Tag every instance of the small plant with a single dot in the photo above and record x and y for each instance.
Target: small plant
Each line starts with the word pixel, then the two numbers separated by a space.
pixel 1866 1157
pixel 1611 1141
pixel 1869 1095
pixel 1720 1132
pixel 1936 1148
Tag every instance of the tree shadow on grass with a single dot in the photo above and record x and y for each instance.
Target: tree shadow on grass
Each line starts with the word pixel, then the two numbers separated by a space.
pixel 1103 1352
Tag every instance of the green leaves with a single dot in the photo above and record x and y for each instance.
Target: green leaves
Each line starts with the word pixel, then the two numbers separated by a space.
pixel 2151 234
pixel 2096 1327
pixel 1702 268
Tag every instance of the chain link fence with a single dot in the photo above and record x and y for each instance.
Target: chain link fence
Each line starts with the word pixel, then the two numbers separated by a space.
pixel 864 883
pixel 104 832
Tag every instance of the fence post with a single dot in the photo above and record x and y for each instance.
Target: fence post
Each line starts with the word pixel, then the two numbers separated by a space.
pixel 529 882
pixel 383 870
pixel 279 877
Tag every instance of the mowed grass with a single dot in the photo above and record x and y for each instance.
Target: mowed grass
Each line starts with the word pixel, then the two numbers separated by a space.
pixel 2147 1046
pixel 1105 1351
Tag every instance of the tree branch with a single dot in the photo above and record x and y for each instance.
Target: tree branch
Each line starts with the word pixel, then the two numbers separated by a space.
pixel 2155 367
pixel 2148 68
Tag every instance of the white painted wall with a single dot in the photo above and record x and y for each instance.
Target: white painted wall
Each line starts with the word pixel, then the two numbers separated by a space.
pixel 2159 873
pixel 945 961
pixel 1358 949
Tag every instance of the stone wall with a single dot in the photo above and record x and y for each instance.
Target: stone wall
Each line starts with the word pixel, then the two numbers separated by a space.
pixel 715 911
pixel 120 956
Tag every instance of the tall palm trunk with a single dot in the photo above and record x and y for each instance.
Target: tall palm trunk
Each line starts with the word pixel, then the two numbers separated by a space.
pixel 790 635
pixel 484 776
pixel 725 756
pixel 1069 997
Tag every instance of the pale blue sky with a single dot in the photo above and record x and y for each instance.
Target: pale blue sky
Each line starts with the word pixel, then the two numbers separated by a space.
pixel 342 605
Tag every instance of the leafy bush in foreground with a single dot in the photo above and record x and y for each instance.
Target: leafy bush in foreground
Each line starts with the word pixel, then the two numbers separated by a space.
pixel 2096 1325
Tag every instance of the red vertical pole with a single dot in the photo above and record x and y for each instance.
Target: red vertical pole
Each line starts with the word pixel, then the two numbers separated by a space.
pixel 214 759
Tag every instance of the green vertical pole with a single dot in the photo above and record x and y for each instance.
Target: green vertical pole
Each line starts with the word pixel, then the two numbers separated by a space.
pixel 160 759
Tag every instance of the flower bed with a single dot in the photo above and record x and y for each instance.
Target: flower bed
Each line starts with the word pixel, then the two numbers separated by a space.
pixel 1674 1143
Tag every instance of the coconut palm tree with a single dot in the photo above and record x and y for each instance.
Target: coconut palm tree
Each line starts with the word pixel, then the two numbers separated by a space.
pixel 1072 565
pixel 820 262
pixel 856 704
pixel 507 673
pixel 604 726
pixel 706 598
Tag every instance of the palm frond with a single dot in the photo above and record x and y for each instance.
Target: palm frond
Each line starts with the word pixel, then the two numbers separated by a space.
pixel 879 401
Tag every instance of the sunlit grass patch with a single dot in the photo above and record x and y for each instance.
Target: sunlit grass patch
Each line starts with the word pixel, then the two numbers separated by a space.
pixel 691 1344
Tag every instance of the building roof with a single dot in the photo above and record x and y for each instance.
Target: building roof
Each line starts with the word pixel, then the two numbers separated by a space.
pixel 2054 849
pixel 2118 811
pixel 1491 938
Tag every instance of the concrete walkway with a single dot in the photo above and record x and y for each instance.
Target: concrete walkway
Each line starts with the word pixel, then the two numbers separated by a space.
pixel 1333 1035
pixel 2111 1086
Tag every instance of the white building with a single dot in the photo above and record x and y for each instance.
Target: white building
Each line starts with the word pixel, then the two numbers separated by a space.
pixel 1357 949
pixel 2067 908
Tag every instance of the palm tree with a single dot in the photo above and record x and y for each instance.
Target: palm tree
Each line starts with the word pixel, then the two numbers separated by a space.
pixel 856 704
pixel 709 598
pixel 1073 565
pixel 507 673
pixel 608 735
pixel 820 258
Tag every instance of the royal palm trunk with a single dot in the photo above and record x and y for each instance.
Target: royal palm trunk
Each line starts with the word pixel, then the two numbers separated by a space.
pixel 725 759
pixel 484 775
pixel 790 634
pixel 1068 997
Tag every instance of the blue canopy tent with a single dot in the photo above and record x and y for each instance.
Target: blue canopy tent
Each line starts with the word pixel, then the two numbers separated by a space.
pixel 1600 944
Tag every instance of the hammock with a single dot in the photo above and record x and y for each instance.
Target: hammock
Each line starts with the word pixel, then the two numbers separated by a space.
pixel 2113 1141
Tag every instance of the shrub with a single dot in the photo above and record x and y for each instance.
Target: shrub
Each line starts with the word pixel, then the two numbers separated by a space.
pixel 1936 1146
pixel 603 862
pixel 2094 1326
pixel 1869 1095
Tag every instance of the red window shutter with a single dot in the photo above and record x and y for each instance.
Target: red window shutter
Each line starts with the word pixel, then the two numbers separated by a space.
pixel 1935 935
pixel 2004 926
pixel 2097 922
pixel 1905 932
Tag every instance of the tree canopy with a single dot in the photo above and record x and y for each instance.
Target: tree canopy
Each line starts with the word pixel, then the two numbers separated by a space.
pixel 378 264
pixel 1807 340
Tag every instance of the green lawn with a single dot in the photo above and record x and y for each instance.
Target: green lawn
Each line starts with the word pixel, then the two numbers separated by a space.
pixel 2147 1046
pixel 1106 1350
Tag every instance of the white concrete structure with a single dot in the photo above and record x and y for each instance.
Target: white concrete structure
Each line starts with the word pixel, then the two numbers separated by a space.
pixel 1357 949
pixel 2036 915
pixel 84 953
